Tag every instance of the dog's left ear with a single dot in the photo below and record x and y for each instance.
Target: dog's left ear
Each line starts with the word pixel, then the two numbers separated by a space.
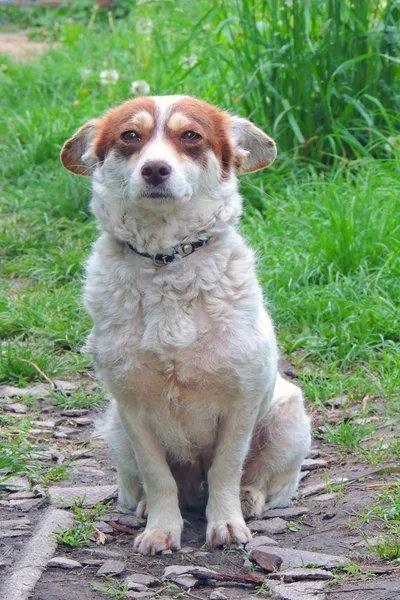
pixel 77 154
pixel 252 148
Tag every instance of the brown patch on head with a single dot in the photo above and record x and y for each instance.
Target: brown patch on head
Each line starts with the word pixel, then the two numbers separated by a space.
pixel 190 114
pixel 134 115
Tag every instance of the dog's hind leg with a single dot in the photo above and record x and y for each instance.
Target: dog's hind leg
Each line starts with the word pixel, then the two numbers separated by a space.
pixel 279 444
pixel 130 489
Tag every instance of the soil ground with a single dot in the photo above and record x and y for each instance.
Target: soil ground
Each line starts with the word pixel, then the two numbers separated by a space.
pixel 331 526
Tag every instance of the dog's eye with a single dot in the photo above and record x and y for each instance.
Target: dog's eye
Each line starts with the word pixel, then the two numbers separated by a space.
pixel 130 136
pixel 191 136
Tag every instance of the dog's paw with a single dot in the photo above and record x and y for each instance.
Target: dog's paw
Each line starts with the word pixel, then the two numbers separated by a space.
pixel 141 509
pixel 152 541
pixel 226 533
pixel 252 502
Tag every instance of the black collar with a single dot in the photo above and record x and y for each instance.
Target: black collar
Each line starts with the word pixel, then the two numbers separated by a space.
pixel 164 259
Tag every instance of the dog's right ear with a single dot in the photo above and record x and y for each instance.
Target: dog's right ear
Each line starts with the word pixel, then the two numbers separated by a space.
pixel 78 154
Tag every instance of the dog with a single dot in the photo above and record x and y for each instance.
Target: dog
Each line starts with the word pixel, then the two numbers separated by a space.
pixel 181 339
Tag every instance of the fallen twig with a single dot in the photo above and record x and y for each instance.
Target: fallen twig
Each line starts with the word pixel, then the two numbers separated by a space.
pixel 122 528
pixel 53 384
pixel 245 579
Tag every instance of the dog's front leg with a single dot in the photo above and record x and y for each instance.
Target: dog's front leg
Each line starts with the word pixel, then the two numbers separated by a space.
pixel 164 521
pixel 224 514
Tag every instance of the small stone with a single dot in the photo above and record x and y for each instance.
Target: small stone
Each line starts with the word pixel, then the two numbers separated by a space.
pixel 75 412
pixel 15 408
pixel 218 595
pixel 138 587
pixel 66 386
pixel 302 558
pixel 38 389
pixel 39 491
pixel 141 579
pixel 64 433
pixel 291 512
pixel 260 540
pixel 16 484
pixel 329 515
pixel 313 453
pixel 10 533
pixel 111 567
pixel 247 565
pixel 57 457
pixel 27 505
pixel 185 581
pixel 186 550
pixel 86 496
pixel 92 562
pixel 103 527
pixel 83 421
pixel 21 496
pixel 267 561
pixel 44 424
pixel 22 523
pixel 142 595
pixel 61 562
pixel 301 574
pixel 326 497
pixel 337 402
pixel 270 526
pixel 36 432
pixel 166 552
pixel 200 554
pixel 128 520
pixel 305 590
pixel 310 464
pixel 177 570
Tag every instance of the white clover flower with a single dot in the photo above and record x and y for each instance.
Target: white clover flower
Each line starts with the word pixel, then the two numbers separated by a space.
pixel 261 27
pixel 85 73
pixel 144 26
pixel 393 145
pixel 188 62
pixel 109 77
pixel 140 87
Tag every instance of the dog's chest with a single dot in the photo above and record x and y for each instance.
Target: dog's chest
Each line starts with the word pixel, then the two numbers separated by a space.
pixel 179 329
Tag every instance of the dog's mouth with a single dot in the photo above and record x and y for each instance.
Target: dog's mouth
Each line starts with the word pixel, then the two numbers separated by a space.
pixel 156 193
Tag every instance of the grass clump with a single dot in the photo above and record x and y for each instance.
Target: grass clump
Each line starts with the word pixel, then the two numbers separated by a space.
pixel 386 510
pixel 347 434
pixel 80 534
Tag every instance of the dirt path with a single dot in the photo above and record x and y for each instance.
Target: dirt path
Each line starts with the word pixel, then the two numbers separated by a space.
pixel 17 45
pixel 323 522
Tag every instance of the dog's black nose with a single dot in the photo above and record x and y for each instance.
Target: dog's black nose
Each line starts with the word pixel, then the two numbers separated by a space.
pixel 156 171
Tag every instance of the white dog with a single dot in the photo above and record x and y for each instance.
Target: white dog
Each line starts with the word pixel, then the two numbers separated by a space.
pixel 180 337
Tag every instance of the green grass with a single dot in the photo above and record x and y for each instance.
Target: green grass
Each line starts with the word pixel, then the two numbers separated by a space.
pixel 80 534
pixel 324 220
pixel 19 457
pixel 386 510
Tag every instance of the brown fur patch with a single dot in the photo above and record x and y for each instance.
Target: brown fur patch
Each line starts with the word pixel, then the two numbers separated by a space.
pixel 211 124
pixel 119 120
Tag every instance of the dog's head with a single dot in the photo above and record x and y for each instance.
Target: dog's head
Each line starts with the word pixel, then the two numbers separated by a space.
pixel 166 150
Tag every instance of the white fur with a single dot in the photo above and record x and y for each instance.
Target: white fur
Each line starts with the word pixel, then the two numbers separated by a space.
pixel 189 354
